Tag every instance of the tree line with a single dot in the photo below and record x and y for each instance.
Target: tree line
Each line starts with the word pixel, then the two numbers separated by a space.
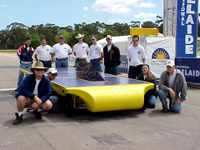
pixel 16 33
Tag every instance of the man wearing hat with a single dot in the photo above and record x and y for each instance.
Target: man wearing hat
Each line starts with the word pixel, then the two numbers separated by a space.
pixel 81 51
pixel 52 74
pixel 96 54
pixel 61 51
pixel 111 56
pixel 34 92
pixel 172 85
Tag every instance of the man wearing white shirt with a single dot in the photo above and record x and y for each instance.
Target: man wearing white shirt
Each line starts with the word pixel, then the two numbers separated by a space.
pixel 81 51
pixel 61 51
pixel 44 53
pixel 96 54
pixel 136 56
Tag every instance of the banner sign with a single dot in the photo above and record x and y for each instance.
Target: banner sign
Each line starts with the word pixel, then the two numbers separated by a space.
pixel 186 32
pixel 123 68
pixel 190 67
pixel 158 51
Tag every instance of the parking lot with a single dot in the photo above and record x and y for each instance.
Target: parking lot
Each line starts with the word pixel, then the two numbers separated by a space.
pixel 128 129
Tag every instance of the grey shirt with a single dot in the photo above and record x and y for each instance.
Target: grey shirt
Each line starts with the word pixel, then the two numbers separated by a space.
pixel 179 86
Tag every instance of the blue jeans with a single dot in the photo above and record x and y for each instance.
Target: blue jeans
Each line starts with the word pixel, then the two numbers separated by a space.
pixel 163 98
pixel 46 63
pixel 53 99
pixel 21 74
pixel 151 101
pixel 96 63
pixel 61 63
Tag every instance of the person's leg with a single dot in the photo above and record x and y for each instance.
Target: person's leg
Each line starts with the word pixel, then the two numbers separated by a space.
pixel 138 70
pixel 65 63
pixel 58 63
pixel 163 96
pixel 131 72
pixel 97 65
pixel 114 70
pixel 53 99
pixel 22 102
pixel 46 63
pixel 47 105
pixel 21 74
pixel 176 108
pixel 151 102
pixel 106 69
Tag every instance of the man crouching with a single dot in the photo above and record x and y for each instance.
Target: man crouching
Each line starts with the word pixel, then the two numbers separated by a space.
pixel 34 92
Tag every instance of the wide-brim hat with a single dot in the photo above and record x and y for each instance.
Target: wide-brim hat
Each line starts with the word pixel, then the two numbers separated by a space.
pixel 39 65
pixel 79 36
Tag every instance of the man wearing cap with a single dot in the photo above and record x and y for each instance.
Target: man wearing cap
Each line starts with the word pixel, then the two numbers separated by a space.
pixel 172 85
pixel 34 92
pixel 52 74
pixel 81 51
pixel 44 53
pixel 25 54
pixel 61 51
pixel 136 57
pixel 96 54
pixel 111 56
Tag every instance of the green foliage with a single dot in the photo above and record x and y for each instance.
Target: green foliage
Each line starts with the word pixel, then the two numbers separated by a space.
pixel 16 33
pixel 35 40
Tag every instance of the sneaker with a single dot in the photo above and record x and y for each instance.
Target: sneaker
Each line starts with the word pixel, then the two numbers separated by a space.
pixel 37 114
pixel 17 89
pixel 165 110
pixel 18 119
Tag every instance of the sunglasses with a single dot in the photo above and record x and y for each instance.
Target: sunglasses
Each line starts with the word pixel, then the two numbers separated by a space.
pixel 39 69
pixel 54 74
pixel 135 40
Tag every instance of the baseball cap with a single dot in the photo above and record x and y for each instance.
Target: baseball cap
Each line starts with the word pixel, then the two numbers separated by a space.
pixel 108 37
pixel 93 37
pixel 61 37
pixel 52 70
pixel 170 63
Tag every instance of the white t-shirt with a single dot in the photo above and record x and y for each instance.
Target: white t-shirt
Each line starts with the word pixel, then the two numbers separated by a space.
pixel 43 52
pixel 81 50
pixel 171 79
pixel 144 77
pixel 109 47
pixel 36 87
pixel 95 51
pixel 61 51
pixel 136 54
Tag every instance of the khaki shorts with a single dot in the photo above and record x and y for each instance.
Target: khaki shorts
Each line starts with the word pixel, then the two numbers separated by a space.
pixel 30 102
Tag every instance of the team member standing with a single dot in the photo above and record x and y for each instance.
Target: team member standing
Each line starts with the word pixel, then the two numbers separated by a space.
pixel 25 54
pixel 136 56
pixel 44 53
pixel 111 56
pixel 96 54
pixel 61 51
pixel 172 85
pixel 81 50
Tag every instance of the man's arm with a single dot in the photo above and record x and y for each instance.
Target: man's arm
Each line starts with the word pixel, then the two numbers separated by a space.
pixel 143 60
pixel 36 57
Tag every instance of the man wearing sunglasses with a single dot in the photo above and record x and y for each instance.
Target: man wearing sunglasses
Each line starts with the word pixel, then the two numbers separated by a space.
pixel 52 74
pixel 136 56
pixel 34 92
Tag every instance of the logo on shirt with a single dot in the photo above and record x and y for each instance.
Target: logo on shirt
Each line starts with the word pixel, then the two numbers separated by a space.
pixel 47 49
pixel 83 47
pixel 160 53
pixel 65 47
pixel 95 49
pixel 139 52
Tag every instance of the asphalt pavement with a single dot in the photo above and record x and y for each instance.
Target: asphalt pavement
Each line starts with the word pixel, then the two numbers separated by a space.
pixel 117 130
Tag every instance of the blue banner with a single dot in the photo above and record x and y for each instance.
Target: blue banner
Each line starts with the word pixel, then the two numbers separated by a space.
pixel 186 32
pixel 123 68
pixel 190 67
